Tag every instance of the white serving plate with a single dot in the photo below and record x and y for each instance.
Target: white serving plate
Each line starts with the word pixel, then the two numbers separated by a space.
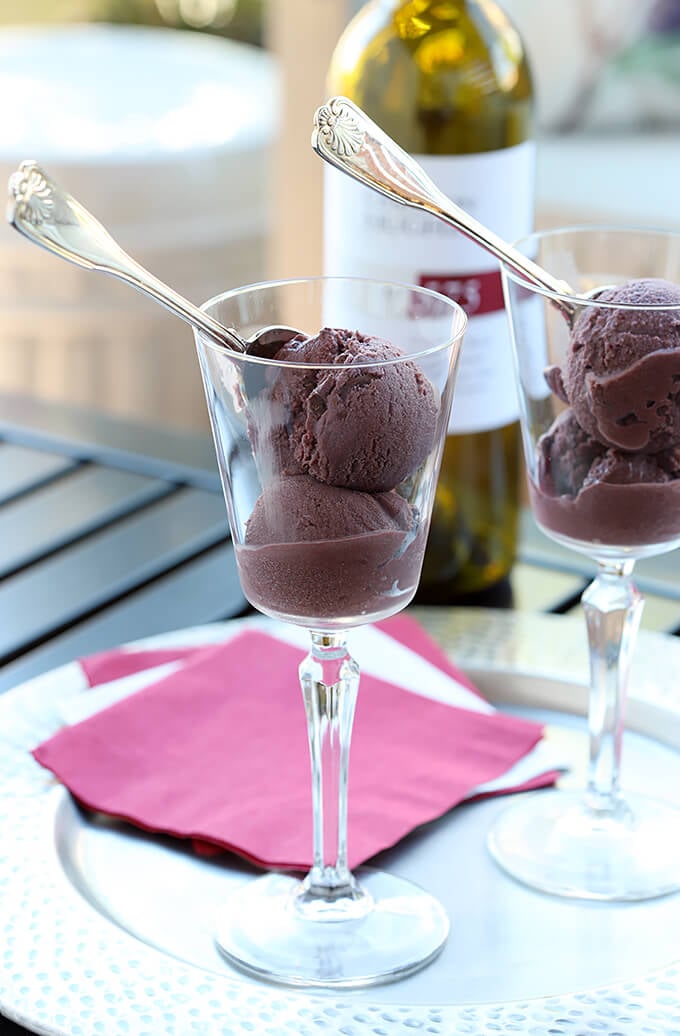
pixel 105 929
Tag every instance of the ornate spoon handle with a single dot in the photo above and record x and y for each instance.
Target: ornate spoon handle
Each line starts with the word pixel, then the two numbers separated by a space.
pixel 345 137
pixel 50 217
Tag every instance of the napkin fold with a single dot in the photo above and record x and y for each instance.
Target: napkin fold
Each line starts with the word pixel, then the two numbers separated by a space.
pixel 214 748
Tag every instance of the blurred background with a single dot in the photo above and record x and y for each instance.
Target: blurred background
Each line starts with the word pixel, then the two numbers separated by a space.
pixel 184 126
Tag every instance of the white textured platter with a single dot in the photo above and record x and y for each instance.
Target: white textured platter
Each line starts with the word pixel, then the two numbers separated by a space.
pixel 108 930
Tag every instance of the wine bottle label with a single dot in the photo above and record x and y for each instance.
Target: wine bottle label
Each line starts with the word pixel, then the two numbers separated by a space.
pixel 368 235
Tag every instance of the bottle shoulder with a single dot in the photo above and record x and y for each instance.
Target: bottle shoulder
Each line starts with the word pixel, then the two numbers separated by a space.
pixel 441 76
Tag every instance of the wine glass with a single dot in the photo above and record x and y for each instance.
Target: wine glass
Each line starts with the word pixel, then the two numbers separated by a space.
pixel 604 480
pixel 329 472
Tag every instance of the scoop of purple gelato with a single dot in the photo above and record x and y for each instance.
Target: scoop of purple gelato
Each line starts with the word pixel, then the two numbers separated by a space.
pixel 316 552
pixel 569 460
pixel 622 370
pixel 350 425
pixel 597 494
pixel 565 455
pixel 625 469
pixel 299 509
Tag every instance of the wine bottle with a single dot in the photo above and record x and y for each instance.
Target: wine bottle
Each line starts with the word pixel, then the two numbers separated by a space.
pixel 449 81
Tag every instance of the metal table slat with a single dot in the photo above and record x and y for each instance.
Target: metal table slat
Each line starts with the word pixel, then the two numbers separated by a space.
pixel 22 468
pixel 88 435
pixel 206 589
pixel 61 512
pixel 88 575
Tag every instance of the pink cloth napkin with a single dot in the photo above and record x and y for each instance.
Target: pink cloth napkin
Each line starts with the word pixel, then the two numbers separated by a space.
pixel 217 750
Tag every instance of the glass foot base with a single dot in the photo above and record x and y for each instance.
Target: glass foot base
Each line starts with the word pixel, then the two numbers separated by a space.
pixel 555 843
pixel 395 929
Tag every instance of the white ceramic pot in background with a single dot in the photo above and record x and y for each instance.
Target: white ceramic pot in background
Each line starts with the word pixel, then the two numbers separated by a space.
pixel 166 137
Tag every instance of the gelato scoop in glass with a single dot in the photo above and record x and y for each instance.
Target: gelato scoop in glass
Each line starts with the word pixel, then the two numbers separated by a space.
pixel 622 372
pixel 608 470
pixel 360 427
pixel 334 436
pixel 315 549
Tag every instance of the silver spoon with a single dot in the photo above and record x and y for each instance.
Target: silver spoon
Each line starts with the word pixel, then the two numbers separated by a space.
pixel 50 217
pixel 346 138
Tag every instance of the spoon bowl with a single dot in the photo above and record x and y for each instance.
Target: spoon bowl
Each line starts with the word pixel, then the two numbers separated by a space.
pixel 50 217
pixel 345 137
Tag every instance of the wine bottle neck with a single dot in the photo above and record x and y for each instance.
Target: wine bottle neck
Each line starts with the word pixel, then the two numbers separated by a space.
pixel 395 5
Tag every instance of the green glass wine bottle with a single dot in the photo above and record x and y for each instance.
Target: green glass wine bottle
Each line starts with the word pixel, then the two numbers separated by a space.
pixel 449 81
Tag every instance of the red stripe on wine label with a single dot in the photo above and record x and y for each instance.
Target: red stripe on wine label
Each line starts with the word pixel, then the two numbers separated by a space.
pixel 477 293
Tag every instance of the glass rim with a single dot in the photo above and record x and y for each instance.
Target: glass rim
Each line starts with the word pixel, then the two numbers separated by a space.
pixel 582 229
pixel 233 293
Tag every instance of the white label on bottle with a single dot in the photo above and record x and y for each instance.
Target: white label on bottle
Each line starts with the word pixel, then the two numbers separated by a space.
pixel 368 235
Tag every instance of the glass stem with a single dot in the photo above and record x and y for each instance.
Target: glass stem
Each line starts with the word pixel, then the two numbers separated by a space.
pixel 329 677
pixel 613 608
